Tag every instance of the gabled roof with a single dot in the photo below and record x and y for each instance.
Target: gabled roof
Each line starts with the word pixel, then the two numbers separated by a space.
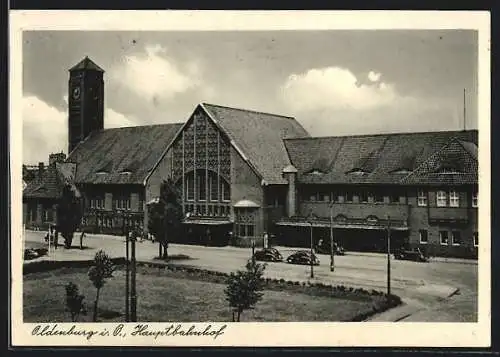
pixel 122 155
pixel 259 136
pixel 452 165
pixel 382 158
pixel 49 185
pixel 86 64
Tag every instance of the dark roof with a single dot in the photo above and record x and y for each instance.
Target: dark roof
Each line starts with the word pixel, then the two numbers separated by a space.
pixel 382 158
pixel 86 64
pixel 49 185
pixel 452 165
pixel 259 136
pixel 121 155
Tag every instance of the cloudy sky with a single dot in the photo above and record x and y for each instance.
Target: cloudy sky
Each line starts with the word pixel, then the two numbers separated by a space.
pixel 332 82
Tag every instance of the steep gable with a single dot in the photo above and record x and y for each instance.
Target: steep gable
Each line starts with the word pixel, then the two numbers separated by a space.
pixel 259 137
pixel 452 165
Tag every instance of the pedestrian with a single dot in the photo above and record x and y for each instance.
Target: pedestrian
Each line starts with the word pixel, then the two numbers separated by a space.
pixel 266 240
pixel 81 239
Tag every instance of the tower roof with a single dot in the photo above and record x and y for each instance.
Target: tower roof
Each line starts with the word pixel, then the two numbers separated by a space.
pixel 86 64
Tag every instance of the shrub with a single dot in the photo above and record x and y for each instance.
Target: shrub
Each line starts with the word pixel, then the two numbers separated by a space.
pixel 244 288
pixel 102 269
pixel 74 301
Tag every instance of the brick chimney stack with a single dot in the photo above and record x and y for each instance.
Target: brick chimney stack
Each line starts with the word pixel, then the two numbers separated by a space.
pixel 41 169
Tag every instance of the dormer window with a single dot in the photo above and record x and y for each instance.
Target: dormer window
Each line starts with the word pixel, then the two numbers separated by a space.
pixel 402 171
pixel 449 171
pixel 358 172
pixel 315 172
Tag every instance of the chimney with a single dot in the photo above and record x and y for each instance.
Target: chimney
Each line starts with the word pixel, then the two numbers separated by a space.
pixel 59 157
pixel 41 169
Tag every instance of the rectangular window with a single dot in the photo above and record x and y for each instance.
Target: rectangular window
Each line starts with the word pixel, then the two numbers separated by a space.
pixel 326 197
pixel 363 197
pixel 476 239
pixel 454 199
pixel 455 238
pixel 441 199
pixel 214 193
pixel 422 198
pixel 334 197
pixel 474 200
pixel 349 196
pixel 443 237
pixel 378 198
pixel 394 197
pixel 225 191
pixel 424 238
pixel 190 188
pixel 202 188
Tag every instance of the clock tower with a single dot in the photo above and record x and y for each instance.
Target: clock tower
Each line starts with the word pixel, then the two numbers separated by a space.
pixel 85 101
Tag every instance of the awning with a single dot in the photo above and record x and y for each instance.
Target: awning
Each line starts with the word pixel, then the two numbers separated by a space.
pixel 343 226
pixel 246 204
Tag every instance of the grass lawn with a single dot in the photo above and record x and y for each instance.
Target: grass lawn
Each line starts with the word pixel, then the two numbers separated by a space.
pixel 165 297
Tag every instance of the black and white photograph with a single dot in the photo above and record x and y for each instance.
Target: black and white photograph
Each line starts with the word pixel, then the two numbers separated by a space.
pixel 232 179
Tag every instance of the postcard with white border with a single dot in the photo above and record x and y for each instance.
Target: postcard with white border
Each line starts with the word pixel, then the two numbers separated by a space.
pixel 256 178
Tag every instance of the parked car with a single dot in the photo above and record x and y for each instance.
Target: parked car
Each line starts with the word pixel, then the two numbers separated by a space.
pixel 324 248
pixel 413 255
pixel 303 257
pixel 268 255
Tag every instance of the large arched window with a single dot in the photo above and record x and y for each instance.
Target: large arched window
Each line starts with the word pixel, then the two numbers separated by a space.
pixel 206 193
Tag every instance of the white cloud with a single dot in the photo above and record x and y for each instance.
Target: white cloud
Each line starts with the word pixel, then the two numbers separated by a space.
pixel 374 76
pixel 45 128
pixel 335 88
pixel 154 75
pixel 114 119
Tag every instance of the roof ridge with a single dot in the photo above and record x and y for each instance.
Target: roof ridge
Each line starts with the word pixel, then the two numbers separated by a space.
pixel 382 134
pixel 249 110
pixel 142 126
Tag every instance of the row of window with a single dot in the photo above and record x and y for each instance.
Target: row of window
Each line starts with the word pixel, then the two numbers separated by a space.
pixel 198 185
pixel 107 222
pixel 456 237
pixel 245 222
pixel 117 204
pixel 363 197
pixel 443 198
pixel 208 210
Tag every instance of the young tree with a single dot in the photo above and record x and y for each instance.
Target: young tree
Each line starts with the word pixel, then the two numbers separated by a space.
pixel 69 214
pixel 101 270
pixel 74 301
pixel 165 216
pixel 244 288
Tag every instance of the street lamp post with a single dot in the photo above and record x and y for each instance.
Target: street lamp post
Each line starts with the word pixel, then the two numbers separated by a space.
pixel 133 292
pixel 332 253
pixel 127 279
pixel 312 246
pixel 388 255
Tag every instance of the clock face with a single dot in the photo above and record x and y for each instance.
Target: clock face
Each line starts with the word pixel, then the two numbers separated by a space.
pixel 76 93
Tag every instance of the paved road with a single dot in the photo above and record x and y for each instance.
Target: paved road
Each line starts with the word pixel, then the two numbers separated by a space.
pixel 424 287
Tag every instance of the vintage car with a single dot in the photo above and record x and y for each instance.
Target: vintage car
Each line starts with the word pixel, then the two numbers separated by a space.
pixel 268 255
pixel 303 257
pixel 323 247
pixel 411 254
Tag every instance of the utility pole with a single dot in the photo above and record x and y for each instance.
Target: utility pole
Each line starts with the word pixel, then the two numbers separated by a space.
pixel 133 292
pixel 332 253
pixel 127 279
pixel 312 246
pixel 388 255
